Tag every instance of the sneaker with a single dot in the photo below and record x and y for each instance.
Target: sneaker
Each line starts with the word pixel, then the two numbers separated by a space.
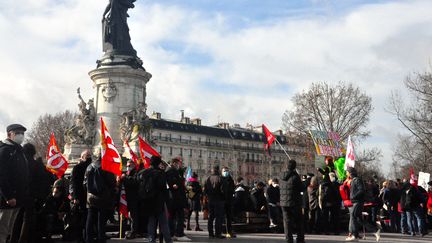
pixel 377 236
pixel 351 238
pixel 272 225
pixel 183 238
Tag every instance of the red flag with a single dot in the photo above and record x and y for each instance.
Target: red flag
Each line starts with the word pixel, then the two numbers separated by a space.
pixel 111 160
pixel 146 152
pixel 56 163
pixel 133 157
pixel 123 208
pixel 269 138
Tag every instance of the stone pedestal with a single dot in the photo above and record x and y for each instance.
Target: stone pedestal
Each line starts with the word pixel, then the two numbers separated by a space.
pixel 119 88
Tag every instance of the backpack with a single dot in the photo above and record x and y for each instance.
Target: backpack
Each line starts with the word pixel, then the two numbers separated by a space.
pixel 95 180
pixel 146 185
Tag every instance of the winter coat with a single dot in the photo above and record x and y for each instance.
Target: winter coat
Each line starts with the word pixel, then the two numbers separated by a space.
pixel 273 195
pixel 258 199
pixel 290 189
pixel 313 197
pixel 241 200
pixel 228 188
pixel 328 194
pixel 77 189
pixel 194 202
pixel 41 180
pixel 344 191
pixel 106 199
pixel 14 175
pixel 156 205
pixel 214 188
pixel 177 196
pixel 357 190
pixel 413 198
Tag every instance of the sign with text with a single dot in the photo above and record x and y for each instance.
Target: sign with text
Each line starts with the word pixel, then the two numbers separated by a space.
pixel 423 180
pixel 327 143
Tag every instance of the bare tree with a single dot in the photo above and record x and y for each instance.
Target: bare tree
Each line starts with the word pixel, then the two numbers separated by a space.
pixel 416 116
pixel 410 153
pixel 41 130
pixel 341 108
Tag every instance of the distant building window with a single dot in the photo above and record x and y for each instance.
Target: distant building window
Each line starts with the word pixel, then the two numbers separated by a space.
pixel 169 137
pixel 181 151
pixel 170 150
pixel 199 139
pixel 160 135
pixel 180 138
pixel 160 149
pixel 243 134
pixel 200 153
pixel 190 153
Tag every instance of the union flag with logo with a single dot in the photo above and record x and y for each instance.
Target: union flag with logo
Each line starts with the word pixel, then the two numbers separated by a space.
pixel 270 138
pixel 110 157
pixel 56 162
pixel 146 152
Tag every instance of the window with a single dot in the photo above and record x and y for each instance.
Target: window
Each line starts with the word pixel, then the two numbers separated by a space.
pixel 199 139
pixel 200 153
pixel 169 137
pixel 160 149
pixel 160 135
pixel 181 151
pixel 170 151
pixel 180 138
pixel 190 153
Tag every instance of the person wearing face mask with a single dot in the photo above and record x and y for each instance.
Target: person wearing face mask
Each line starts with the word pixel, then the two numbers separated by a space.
pixel 78 192
pixel 228 188
pixel 14 179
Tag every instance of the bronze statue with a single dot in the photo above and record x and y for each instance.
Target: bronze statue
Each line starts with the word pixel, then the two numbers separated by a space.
pixel 115 30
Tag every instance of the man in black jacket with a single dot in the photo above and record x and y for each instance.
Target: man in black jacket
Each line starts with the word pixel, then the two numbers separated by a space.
pixel 273 201
pixel 229 196
pixel 291 202
pixel 178 201
pixel 78 193
pixel 14 179
pixel 213 188
pixel 357 196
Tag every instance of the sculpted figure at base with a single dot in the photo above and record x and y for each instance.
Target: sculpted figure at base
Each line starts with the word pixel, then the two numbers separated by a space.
pixel 83 130
pixel 135 122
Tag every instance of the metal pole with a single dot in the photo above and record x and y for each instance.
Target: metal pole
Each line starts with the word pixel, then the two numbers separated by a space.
pixel 283 149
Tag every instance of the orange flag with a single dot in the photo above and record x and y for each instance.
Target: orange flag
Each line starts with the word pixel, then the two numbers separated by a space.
pixel 56 163
pixel 146 152
pixel 111 160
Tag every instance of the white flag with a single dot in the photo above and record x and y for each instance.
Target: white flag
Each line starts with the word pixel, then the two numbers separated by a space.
pixel 349 157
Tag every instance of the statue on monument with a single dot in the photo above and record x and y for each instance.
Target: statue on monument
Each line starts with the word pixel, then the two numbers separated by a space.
pixel 83 131
pixel 115 30
pixel 135 122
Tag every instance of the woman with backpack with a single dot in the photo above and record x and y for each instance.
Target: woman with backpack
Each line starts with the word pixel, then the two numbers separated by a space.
pixel 194 193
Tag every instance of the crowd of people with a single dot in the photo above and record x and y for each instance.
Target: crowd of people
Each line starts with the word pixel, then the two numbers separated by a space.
pixel 36 205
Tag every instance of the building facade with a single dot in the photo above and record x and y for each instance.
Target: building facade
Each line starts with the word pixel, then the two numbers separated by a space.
pixel 240 149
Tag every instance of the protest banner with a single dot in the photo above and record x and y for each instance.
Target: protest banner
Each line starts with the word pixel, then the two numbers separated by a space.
pixel 423 179
pixel 327 143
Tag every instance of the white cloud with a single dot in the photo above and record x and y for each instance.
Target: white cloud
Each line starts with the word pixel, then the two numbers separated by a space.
pixel 48 49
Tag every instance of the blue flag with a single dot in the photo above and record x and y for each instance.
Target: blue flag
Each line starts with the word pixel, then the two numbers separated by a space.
pixel 188 173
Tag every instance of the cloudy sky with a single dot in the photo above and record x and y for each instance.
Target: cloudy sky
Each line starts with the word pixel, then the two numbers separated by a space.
pixel 238 61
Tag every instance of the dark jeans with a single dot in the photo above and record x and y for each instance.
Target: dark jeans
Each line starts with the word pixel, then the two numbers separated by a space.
pixel 134 216
pixel 314 220
pixel 176 222
pixel 394 216
pixel 96 217
pixel 356 221
pixel 274 214
pixel 216 213
pixel 23 229
pixel 229 217
pixel 293 219
pixel 416 214
pixel 163 227
pixel 196 218
pixel 330 219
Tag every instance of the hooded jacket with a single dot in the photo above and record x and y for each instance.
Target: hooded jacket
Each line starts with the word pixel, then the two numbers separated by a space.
pixel 291 188
pixel 14 174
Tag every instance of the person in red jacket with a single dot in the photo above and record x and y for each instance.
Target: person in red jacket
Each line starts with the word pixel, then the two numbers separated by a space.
pixel 429 203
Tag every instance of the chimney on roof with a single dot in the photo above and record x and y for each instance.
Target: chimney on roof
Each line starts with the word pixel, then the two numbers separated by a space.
pixel 196 121
pixel 249 126
pixel 236 125
pixel 224 125
pixel 182 115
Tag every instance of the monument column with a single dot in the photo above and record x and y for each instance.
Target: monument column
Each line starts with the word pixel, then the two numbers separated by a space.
pixel 120 89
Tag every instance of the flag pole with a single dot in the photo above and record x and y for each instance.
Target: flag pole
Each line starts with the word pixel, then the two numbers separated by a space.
pixel 121 225
pixel 283 149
